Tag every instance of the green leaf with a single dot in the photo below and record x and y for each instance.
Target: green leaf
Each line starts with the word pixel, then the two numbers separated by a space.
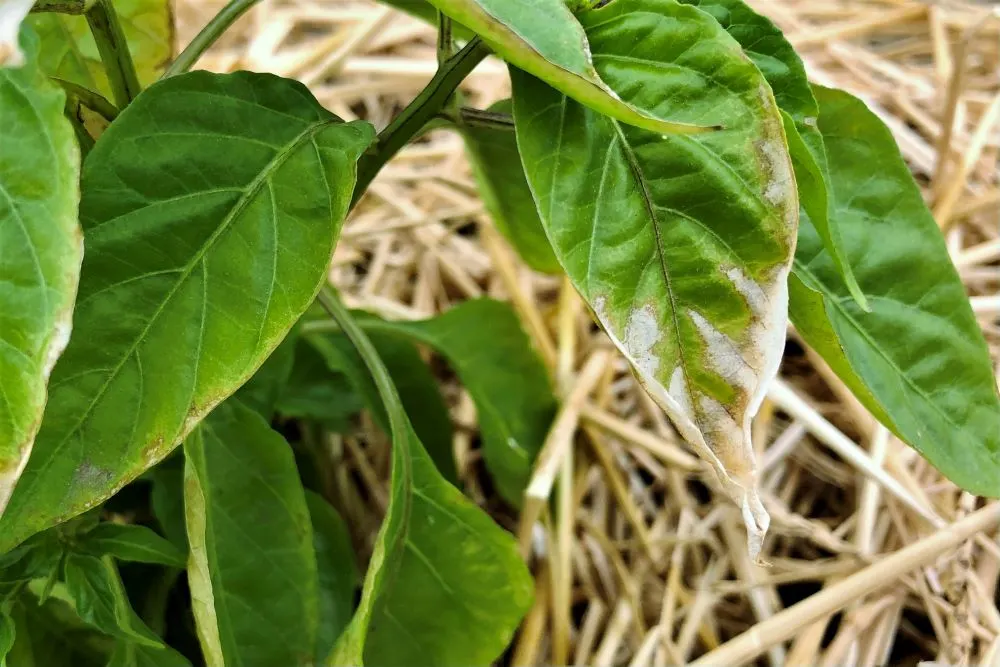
pixel 7 636
pixel 36 558
pixel 777 60
pixel 416 385
pixel 504 190
pixel 423 10
pixel 337 568
pixel 253 573
pixel 492 356
pixel 97 590
pixel 69 51
pixel 542 37
pixel 128 654
pixel 52 633
pixel 917 360
pixel 435 551
pixel 210 210
pixel 681 245
pixel 133 543
pixel 167 500
pixel 264 389
pixel 40 251
pixel 314 392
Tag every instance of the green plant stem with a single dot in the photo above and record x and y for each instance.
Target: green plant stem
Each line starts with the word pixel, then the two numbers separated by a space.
pixel 88 98
pixel 445 39
pixel 211 32
pixel 422 109
pixel 319 326
pixel 336 309
pixel 111 44
pixel 63 6
pixel 489 119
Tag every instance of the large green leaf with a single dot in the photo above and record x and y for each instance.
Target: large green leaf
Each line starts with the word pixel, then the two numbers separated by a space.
pixel 777 60
pixel 435 551
pixel 418 390
pixel 210 209
pixel 917 360
pixel 40 252
pixel 485 345
pixel 503 188
pixel 337 568
pixel 681 245
pixel 252 569
pixel 543 37
pixel 69 51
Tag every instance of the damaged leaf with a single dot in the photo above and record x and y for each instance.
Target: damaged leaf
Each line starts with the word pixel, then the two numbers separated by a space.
pixel 680 244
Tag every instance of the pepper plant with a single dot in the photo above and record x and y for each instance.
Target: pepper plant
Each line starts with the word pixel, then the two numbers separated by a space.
pixel 171 355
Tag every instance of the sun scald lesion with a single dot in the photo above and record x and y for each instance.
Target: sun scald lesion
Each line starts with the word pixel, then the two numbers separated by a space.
pixel 685 255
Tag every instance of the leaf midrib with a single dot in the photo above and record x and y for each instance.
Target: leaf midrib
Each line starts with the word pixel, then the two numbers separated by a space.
pixel 241 204
pixel 650 205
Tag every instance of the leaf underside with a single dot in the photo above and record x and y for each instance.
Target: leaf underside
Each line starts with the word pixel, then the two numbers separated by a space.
pixel 544 38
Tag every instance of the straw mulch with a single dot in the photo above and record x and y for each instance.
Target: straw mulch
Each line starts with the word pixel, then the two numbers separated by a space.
pixel 646 564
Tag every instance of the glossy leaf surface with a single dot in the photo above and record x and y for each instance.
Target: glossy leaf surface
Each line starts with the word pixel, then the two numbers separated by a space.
pixel 41 248
pixel 252 568
pixel 435 550
pixel 69 51
pixel 210 211
pixel 483 342
pixel 680 245
pixel 544 38
pixel 917 360
pixel 504 190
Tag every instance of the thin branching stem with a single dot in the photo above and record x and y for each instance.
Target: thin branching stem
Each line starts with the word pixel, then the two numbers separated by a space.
pixel 424 108
pixel 208 35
